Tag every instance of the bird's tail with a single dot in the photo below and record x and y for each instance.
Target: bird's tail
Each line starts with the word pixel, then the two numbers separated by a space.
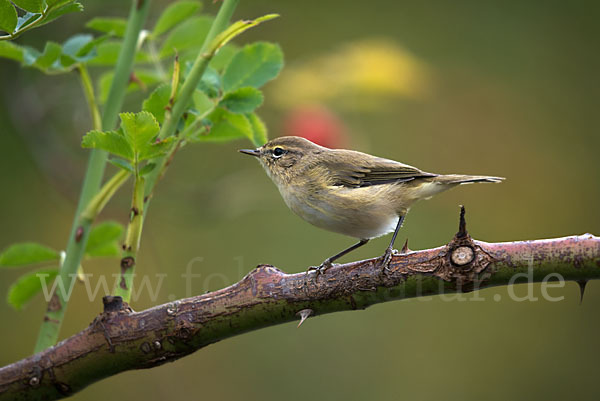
pixel 456 179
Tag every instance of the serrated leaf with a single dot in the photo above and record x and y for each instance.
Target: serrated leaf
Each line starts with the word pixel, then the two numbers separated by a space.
pixel 103 239
pixel 11 51
pixel 123 164
pixel 140 129
pixel 111 25
pixel 28 286
pixel 158 149
pixel 242 100
pixel 157 102
pixel 174 14
pixel 259 130
pixel 26 253
pixel 148 167
pixel 34 6
pixel 59 11
pixel 254 65
pixel 189 34
pixel 111 141
pixel 8 16
pixel 225 126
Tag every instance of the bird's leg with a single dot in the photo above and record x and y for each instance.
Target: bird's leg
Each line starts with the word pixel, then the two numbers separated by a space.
pixel 387 255
pixel 329 261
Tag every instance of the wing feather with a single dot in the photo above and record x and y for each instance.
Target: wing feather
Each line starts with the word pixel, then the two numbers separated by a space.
pixel 356 169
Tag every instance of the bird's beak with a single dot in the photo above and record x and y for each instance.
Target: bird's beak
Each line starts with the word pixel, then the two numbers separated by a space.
pixel 251 152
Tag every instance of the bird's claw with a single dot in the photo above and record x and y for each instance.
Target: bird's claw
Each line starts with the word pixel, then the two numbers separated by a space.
pixel 321 268
pixel 387 258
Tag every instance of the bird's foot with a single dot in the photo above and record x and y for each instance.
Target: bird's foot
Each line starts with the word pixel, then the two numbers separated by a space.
pixel 321 268
pixel 387 258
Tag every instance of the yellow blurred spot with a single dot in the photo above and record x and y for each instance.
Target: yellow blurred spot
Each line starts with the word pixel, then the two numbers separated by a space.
pixel 361 74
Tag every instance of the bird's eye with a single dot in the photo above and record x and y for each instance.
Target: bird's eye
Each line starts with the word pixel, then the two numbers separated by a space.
pixel 278 152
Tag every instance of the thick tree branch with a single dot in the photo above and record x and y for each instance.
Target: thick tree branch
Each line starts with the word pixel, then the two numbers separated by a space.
pixel 120 339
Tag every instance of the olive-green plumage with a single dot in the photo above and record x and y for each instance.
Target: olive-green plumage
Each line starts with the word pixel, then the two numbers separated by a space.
pixel 349 192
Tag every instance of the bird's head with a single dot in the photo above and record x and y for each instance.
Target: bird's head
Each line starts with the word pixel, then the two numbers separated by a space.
pixel 285 157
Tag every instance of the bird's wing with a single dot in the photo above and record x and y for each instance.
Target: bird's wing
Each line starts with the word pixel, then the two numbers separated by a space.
pixel 366 170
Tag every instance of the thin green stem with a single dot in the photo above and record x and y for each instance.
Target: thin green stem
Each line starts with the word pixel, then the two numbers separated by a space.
pixel 88 90
pixel 188 87
pixel 57 306
pixel 169 127
pixel 95 206
pixel 132 241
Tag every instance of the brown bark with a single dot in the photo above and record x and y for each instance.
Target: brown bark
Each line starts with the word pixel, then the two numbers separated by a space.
pixel 120 339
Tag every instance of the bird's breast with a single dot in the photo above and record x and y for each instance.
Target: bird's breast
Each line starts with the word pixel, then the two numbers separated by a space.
pixel 357 212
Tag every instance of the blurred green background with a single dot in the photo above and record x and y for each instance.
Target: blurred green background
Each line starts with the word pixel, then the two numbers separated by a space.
pixel 510 88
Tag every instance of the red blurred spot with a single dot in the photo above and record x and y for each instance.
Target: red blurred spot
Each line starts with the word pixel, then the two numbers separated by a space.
pixel 317 124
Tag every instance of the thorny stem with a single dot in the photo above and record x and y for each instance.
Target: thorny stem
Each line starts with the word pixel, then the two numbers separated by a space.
pixel 132 240
pixel 168 128
pixel 120 340
pixel 50 327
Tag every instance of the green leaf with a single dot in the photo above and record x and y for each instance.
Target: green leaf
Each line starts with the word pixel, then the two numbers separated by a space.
pixel 226 126
pixel 27 253
pixel 8 16
pixel 28 286
pixel 75 43
pixel 189 34
pixel 103 239
pixel 112 25
pixel 59 11
pixel 111 141
pixel 242 100
pixel 120 163
pixel 254 65
pixel 51 53
pixel 235 29
pixel 148 167
pixel 27 19
pixel 11 50
pixel 210 83
pixel 174 14
pixel 259 130
pixel 140 129
pixel 34 6
pixel 202 102
pixel 157 102
pixel 57 3
pixel 158 149
pixel 223 56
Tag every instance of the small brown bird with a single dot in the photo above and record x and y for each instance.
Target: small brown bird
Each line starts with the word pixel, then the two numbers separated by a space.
pixel 350 192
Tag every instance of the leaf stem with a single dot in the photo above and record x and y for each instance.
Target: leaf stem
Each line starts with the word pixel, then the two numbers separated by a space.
pixel 132 241
pixel 80 229
pixel 88 90
pixel 105 193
